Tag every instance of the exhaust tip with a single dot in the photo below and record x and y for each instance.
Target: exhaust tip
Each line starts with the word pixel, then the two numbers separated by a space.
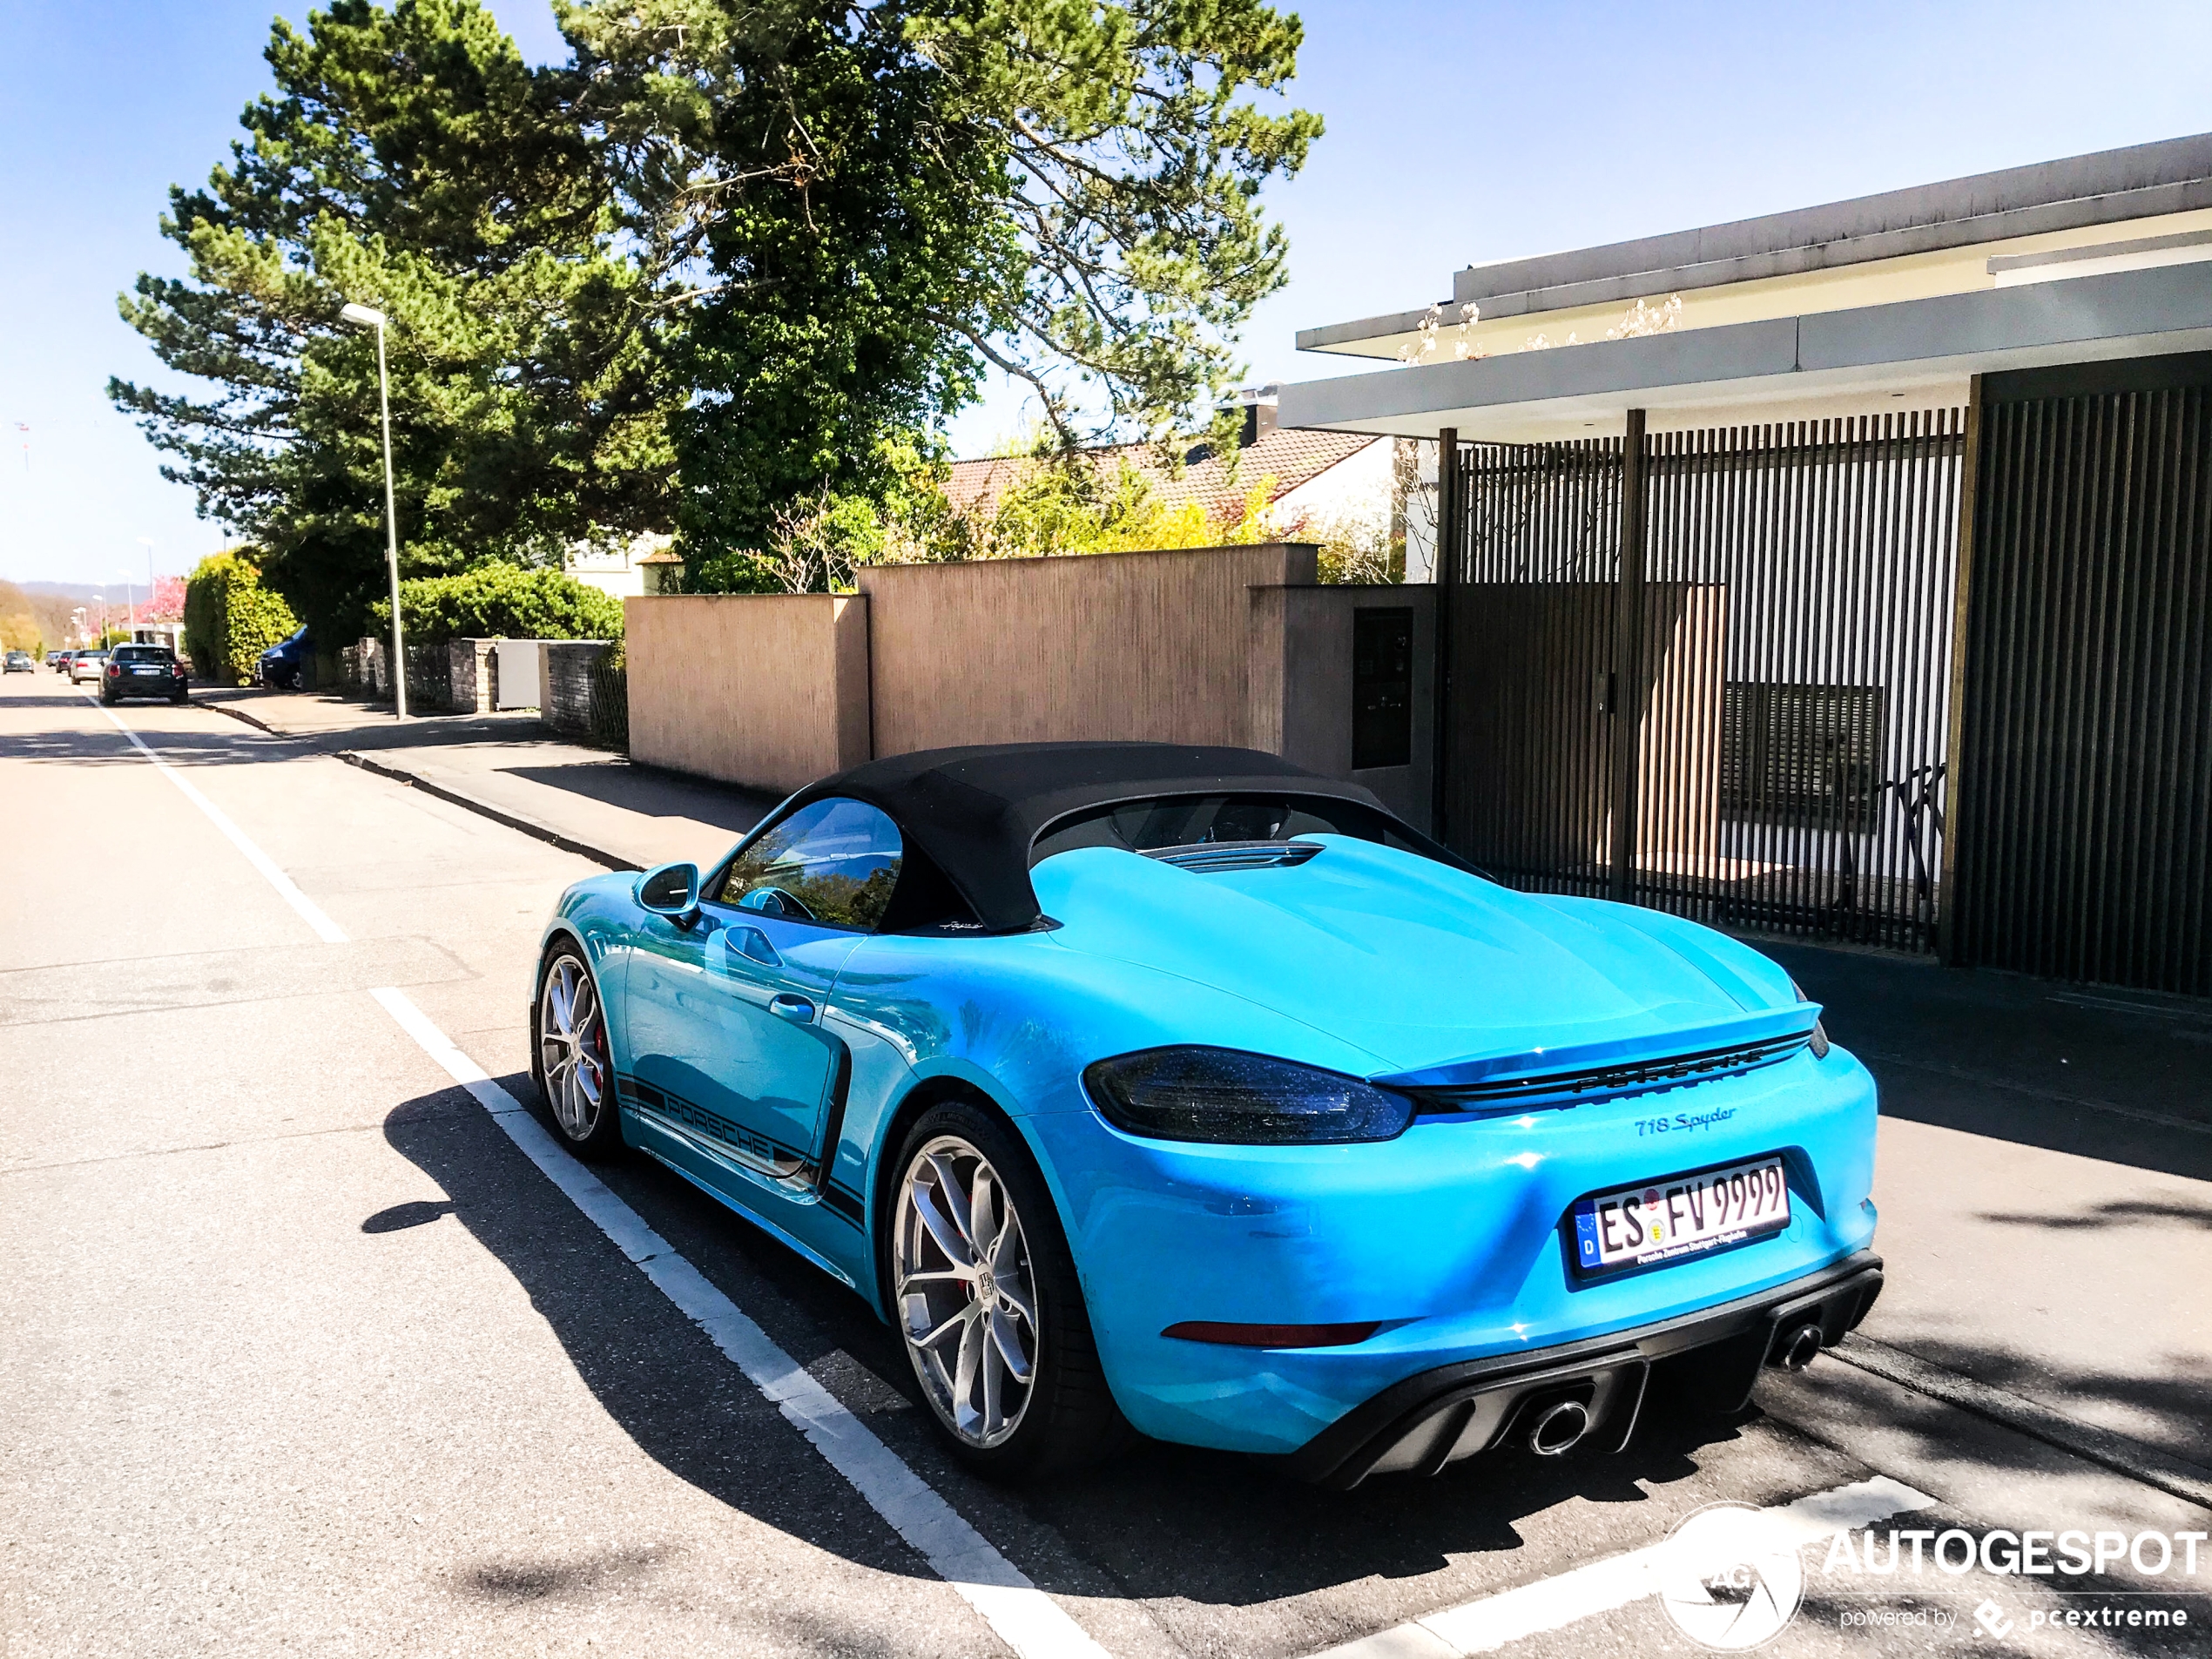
pixel 1799 1347
pixel 1558 1427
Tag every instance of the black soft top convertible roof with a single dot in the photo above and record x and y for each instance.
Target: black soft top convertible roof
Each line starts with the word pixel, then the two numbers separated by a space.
pixel 973 813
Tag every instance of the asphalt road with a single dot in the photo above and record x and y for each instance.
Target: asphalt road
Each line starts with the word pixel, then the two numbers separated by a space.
pixel 301 1352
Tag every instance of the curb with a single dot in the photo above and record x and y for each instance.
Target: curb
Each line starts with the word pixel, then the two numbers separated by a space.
pixel 251 720
pixel 2119 1453
pixel 529 826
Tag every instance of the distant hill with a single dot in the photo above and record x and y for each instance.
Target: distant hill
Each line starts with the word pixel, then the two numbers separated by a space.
pixel 30 619
pixel 78 592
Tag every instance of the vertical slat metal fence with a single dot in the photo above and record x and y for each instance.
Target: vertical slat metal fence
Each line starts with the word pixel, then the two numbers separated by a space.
pixel 2086 741
pixel 1530 743
pixel 1787 695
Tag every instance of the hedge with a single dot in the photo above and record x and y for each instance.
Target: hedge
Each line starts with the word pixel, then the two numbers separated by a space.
pixel 230 618
pixel 502 601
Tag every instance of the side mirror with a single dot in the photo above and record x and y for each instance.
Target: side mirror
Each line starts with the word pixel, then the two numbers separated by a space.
pixel 671 890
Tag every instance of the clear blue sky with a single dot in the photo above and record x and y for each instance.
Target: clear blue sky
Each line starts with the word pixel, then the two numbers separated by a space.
pixel 1456 133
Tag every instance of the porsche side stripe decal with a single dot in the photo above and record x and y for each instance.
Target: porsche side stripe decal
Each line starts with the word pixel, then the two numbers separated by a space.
pixel 1024 1616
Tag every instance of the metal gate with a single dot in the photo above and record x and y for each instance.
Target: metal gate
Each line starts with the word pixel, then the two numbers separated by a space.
pixel 1743 719
pixel 2086 745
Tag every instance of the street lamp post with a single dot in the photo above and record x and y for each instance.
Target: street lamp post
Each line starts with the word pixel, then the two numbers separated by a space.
pixel 360 316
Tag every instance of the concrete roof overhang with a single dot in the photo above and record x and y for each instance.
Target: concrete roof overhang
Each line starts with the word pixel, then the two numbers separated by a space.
pixel 1911 354
pixel 2142 181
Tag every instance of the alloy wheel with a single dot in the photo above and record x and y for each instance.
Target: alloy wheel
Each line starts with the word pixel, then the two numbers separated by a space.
pixel 967 1289
pixel 572 1048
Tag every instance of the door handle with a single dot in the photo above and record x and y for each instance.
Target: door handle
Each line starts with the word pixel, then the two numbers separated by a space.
pixel 795 1008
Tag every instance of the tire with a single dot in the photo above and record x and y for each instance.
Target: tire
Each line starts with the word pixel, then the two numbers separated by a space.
pixel 967 1350
pixel 569 1057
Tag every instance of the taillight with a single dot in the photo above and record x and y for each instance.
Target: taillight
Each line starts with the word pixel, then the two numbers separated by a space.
pixel 113 669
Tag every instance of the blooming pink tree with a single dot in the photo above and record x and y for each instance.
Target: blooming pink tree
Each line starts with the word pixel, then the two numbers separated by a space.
pixel 166 602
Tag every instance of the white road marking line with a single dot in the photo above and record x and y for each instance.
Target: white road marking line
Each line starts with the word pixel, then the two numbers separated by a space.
pixel 327 930
pixel 1025 1619
pixel 1568 1598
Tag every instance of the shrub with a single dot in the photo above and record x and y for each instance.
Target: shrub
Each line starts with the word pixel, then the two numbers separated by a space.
pixel 230 618
pixel 502 602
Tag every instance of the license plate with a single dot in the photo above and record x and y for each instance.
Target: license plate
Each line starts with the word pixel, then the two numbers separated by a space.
pixel 1679 1215
pixel 145 671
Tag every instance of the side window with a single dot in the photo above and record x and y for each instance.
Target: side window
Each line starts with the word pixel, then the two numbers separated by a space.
pixel 834 862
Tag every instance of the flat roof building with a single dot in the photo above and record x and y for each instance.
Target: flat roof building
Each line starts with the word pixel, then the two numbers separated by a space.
pixel 1844 573
pixel 1823 311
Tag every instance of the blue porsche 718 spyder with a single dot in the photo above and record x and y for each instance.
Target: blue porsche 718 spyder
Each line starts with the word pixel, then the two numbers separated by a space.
pixel 1178 1088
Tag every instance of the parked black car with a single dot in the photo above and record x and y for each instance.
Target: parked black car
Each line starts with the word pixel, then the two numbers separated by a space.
pixel 282 665
pixel 143 670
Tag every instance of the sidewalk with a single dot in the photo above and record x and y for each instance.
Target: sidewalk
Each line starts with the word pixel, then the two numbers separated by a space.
pixel 509 767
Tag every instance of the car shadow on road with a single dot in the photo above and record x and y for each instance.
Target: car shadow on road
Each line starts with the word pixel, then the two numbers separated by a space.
pixel 654 1372
pixel 1153 1522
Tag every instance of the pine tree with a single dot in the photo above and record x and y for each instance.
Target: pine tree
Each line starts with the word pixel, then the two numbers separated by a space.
pixel 408 160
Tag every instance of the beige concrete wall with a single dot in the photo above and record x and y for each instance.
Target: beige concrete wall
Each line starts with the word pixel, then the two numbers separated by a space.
pixel 1301 683
pixel 1156 645
pixel 1220 645
pixel 770 691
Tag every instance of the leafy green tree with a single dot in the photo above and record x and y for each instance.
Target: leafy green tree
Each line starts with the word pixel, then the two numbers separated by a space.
pixel 230 618
pixel 858 208
pixel 1063 504
pixel 410 160
pixel 500 602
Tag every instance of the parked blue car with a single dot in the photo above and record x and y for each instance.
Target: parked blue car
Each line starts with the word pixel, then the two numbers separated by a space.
pixel 1181 1089
pixel 283 664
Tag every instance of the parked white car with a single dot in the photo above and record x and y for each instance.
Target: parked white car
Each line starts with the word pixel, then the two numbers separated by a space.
pixel 87 665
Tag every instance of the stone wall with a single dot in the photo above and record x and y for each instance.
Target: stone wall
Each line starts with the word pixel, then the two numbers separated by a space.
pixel 367 667
pixel 430 679
pixel 469 674
pixel 565 690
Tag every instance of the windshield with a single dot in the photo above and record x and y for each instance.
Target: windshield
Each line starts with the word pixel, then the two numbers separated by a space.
pixel 1164 821
pixel 142 654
